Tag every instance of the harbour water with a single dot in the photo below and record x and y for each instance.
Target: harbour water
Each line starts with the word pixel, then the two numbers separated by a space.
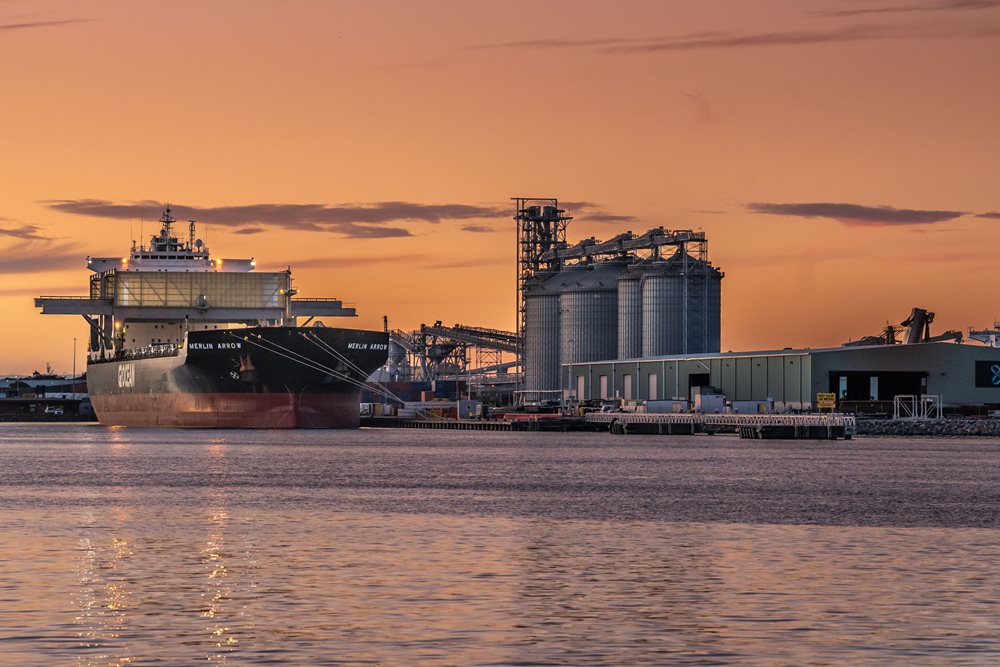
pixel 135 547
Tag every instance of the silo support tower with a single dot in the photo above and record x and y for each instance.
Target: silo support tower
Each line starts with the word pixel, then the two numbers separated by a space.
pixel 541 229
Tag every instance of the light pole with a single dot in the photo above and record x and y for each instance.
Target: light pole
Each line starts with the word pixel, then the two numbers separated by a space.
pixel 74 360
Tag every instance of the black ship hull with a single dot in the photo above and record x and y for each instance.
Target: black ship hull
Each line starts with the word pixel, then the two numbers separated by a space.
pixel 254 377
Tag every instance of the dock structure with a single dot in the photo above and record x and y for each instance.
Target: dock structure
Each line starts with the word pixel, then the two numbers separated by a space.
pixel 552 423
pixel 754 427
pixel 448 424
pixel 820 427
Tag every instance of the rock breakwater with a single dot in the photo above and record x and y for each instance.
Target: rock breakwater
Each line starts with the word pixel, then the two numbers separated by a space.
pixel 931 427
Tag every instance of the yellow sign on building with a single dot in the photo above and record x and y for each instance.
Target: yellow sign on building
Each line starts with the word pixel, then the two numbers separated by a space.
pixel 826 401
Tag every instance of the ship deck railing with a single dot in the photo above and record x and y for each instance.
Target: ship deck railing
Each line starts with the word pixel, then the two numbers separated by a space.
pixel 830 419
pixel 77 298
pixel 323 299
pixel 147 352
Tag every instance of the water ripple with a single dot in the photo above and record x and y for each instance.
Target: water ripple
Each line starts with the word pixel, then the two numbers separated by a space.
pixel 174 547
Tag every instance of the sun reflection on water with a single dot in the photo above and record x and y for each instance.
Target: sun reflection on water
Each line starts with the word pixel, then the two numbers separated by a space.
pixel 103 597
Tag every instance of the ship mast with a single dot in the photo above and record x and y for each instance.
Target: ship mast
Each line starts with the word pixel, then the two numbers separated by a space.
pixel 168 221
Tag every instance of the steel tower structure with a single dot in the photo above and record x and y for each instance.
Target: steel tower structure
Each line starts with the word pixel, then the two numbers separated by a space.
pixel 541 229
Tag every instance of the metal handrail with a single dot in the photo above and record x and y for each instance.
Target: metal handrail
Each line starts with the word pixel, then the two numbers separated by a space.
pixel 833 419
pixel 323 300
pixel 146 352
pixel 84 298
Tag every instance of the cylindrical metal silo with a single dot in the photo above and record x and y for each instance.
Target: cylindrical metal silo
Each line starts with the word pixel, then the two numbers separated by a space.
pixel 396 360
pixel 630 314
pixel 396 354
pixel 704 307
pixel 662 308
pixel 588 305
pixel 541 337
pixel 681 306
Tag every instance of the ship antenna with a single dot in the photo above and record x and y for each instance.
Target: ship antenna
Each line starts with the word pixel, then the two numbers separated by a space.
pixel 166 231
pixel 141 220
pixel 191 234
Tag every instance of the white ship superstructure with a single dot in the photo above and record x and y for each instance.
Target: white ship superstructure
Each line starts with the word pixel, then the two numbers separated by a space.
pixel 161 291
pixel 167 252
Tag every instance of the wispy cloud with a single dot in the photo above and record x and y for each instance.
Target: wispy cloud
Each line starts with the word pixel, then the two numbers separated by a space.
pixel 349 262
pixel 28 257
pixel 367 220
pixel 917 7
pixel 607 217
pixel 701 106
pixel 25 232
pixel 472 263
pixel 555 43
pixel 730 40
pixel 32 25
pixel 425 261
pixel 43 290
pixel 717 40
pixel 249 230
pixel 586 211
pixel 992 215
pixel 478 229
pixel 856 214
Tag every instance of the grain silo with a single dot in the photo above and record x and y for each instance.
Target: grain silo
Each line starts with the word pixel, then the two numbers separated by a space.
pixel 681 299
pixel 705 309
pixel 395 364
pixel 588 305
pixel 541 337
pixel 630 314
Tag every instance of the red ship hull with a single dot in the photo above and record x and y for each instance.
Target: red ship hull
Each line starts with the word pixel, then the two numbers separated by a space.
pixel 229 410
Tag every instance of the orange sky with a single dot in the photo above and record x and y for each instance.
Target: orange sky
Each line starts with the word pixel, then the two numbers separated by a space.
pixel 676 113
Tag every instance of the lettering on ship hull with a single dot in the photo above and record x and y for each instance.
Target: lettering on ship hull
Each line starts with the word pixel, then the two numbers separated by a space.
pixel 215 346
pixel 367 346
pixel 126 376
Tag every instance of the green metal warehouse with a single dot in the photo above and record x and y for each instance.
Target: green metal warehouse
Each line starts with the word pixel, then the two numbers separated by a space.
pixel 962 375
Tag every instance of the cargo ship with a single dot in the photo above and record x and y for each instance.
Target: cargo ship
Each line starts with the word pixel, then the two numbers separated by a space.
pixel 180 339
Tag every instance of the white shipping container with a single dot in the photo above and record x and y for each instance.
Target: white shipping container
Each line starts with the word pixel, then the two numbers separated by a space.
pixel 710 403
pixel 666 406
pixel 753 407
